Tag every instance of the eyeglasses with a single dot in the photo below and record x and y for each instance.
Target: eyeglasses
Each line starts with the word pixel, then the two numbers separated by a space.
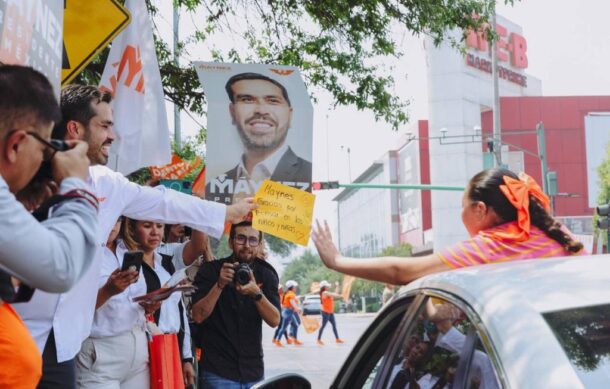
pixel 52 146
pixel 242 239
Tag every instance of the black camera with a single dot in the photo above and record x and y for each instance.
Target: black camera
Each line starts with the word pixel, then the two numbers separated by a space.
pixel 46 169
pixel 242 273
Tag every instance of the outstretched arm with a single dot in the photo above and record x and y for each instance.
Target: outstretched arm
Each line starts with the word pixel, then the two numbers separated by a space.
pixel 393 270
pixel 195 247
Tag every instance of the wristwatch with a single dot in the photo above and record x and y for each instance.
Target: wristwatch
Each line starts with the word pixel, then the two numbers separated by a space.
pixel 257 297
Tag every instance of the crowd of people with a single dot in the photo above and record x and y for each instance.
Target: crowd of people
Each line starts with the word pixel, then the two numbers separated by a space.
pixel 67 314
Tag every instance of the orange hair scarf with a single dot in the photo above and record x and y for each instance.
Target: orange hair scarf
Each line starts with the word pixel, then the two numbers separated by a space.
pixel 518 193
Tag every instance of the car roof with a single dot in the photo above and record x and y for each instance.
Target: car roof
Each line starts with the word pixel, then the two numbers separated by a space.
pixel 547 284
pixel 509 299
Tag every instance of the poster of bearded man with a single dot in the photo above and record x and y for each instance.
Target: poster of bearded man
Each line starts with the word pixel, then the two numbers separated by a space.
pixel 260 126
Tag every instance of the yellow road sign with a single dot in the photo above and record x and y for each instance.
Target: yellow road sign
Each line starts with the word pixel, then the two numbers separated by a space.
pixel 89 26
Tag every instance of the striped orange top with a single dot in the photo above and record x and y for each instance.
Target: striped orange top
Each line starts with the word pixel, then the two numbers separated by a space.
pixel 482 249
pixel 328 303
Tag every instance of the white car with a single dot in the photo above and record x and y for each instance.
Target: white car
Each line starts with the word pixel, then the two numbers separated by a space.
pixel 525 324
pixel 312 305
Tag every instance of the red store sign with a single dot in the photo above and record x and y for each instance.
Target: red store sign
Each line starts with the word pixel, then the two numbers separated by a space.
pixel 510 48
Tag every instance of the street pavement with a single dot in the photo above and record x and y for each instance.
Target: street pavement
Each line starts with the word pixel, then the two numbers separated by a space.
pixel 319 364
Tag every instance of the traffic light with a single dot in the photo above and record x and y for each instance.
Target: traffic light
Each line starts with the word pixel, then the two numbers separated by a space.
pixel 603 211
pixel 325 185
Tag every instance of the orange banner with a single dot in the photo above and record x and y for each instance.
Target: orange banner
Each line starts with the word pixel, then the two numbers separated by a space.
pixel 175 170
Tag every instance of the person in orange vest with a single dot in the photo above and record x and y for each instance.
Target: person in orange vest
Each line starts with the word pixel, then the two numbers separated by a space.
pixel 290 312
pixel 328 310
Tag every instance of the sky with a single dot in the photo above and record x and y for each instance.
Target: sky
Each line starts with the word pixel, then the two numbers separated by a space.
pixel 568 50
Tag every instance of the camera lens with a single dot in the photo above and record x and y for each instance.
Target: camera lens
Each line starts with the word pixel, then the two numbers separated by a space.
pixel 242 274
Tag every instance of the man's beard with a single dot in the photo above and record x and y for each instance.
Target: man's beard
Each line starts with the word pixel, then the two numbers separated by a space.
pixel 96 157
pixel 243 257
pixel 251 144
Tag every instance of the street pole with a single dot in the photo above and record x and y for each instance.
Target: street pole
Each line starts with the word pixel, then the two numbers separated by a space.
pixel 177 124
pixel 496 92
pixel 542 153
pixel 359 185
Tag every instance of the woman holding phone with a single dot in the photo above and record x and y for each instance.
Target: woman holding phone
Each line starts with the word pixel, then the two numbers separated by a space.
pixel 117 349
pixel 157 269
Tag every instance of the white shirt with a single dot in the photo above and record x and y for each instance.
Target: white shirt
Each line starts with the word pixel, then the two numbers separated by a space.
pixel 169 316
pixel 70 314
pixel 453 340
pixel 263 169
pixel 54 254
pixel 175 251
pixel 119 314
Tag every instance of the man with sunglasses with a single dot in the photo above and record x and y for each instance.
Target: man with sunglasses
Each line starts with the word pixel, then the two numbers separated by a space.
pixel 51 255
pixel 230 314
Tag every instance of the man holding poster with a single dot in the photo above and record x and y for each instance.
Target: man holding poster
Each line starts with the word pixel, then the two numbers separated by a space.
pixel 261 110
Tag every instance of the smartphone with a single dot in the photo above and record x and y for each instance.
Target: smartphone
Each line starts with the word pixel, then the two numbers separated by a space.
pixel 132 259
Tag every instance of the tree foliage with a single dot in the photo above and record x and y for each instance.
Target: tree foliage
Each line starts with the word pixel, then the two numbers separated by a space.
pixel 341 46
pixel 603 176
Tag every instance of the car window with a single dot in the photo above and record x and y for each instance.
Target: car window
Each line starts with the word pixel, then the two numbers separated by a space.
pixel 584 335
pixel 481 374
pixel 365 361
pixel 431 350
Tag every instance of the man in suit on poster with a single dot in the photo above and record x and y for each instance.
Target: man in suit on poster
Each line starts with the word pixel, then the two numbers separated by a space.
pixel 261 111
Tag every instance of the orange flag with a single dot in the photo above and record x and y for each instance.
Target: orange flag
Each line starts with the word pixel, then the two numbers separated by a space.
pixel 198 186
pixel 348 281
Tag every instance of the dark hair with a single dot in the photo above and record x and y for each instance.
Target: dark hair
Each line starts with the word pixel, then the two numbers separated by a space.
pixel 485 187
pixel 76 105
pixel 253 76
pixel 26 94
pixel 243 224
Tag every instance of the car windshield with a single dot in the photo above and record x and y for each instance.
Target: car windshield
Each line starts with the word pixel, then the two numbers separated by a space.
pixel 584 334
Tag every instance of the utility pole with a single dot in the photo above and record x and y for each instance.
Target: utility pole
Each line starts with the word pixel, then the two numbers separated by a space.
pixel 542 155
pixel 496 92
pixel 177 125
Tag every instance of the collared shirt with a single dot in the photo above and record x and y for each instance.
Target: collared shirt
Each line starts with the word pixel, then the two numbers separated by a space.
pixel 119 314
pixel 263 169
pixel 71 314
pixel 174 250
pixel 54 254
pixel 231 337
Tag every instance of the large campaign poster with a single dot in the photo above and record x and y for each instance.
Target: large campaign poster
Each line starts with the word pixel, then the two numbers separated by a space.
pixel 31 34
pixel 260 126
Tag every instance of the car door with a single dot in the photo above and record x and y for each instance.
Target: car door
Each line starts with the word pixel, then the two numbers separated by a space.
pixel 421 341
pixel 439 347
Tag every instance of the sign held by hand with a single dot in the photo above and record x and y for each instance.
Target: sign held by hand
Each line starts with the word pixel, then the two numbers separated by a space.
pixel 284 211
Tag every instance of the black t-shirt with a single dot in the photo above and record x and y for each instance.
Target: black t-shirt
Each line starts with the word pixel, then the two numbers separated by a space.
pixel 231 337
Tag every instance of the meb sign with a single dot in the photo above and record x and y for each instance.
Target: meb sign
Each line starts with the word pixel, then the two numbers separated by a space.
pixel 31 34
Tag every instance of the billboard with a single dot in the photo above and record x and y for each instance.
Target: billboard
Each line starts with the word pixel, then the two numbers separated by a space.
pixel 31 34
pixel 597 141
pixel 260 126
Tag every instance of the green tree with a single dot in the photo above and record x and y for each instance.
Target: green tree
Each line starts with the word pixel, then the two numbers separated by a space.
pixel 341 46
pixel 603 176
pixel 402 250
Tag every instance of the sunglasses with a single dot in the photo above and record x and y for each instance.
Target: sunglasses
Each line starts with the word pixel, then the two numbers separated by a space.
pixel 52 146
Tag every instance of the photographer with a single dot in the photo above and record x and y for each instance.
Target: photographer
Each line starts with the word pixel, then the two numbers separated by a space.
pixel 51 255
pixel 234 296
